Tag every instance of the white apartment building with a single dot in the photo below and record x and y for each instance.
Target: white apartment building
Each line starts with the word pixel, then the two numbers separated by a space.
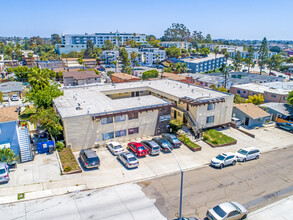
pixel 180 44
pixel 255 56
pixel 77 42
pixel 230 48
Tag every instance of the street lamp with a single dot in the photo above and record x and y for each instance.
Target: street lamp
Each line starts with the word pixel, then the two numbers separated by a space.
pixel 181 185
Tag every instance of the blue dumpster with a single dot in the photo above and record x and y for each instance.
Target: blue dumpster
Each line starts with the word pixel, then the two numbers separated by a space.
pixel 43 147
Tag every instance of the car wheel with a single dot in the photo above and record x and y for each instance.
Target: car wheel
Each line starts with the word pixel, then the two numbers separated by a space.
pixel 257 157
pixel 244 160
pixel 221 166
pixel 234 162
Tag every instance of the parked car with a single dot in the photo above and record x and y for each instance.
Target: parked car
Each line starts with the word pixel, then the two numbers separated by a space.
pixel 128 159
pixel 115 148
pixel 286 126
pixel 224 160
pixel 4 173
pixel 89 158
pixel 227 210
pixel 14 97
pixel 152 147
pixel 164 144
pixel 5 98
pixel 137 148
pixel 247 153
pixel 172 139
pixel 236 121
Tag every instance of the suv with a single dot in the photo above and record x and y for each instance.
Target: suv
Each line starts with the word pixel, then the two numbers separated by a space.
pixel 247 153
pixel 137 148
pixel 4 173
pixel 128 159
pixel 89 158
pixel 223 160
pixel 152 147
pixel 115 148
pixel 164 144
pixel 236 121
pixel 172 139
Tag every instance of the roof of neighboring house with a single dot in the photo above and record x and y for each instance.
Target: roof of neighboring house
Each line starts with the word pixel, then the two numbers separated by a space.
pixel 8 114
pixel 251 110
pixel 59 69
pixel 89 60
pixel 173 76
pixel 11 87
pixel 81 75
pixel 125 76
pixel 281 108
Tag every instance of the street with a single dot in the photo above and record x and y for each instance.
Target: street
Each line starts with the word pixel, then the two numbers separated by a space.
pixel 254 184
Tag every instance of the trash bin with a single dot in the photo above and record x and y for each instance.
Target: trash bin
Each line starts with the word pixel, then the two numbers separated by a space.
pixel 51 149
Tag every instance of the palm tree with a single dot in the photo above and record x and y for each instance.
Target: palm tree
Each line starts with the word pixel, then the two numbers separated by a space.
pixel 178 68
pixel 225 73
pixel 38 78
pixel 133 56
pixel 216 51
pixel 184 67
pixel 157 60
pixel 227 55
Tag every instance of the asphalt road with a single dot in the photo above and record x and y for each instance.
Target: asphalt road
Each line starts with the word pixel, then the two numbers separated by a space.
pixel 254 184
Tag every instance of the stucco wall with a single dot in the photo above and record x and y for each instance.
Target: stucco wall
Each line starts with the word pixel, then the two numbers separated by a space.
pixel 9 135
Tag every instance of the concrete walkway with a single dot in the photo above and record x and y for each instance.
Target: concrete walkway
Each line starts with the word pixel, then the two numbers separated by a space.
pixel 281 210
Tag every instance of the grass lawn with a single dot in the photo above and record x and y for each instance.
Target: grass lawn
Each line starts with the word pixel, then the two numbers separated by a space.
pixel 185 140
pixel 217 138
pixel 27 113
pixel 68 160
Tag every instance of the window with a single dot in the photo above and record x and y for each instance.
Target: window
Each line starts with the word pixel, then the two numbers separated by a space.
pixel 132 115
pixel 107 120
pixel 120 118
pixel 210 119
pixel 233 213
pixel 273 96
pixel 211 106
pixel 133 131
pixel 107 136
pixel 120 133
pixel 244 92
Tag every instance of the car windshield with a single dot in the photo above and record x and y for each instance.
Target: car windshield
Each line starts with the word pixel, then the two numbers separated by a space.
pixel 167 144
pixel 156 148
pixel 131 159
pixel 175 139
pixel 140 148
pixel 220 157
pixel 241 151
pixel 92 160
pixel 220 212
pixel 117 147
pixel 2 171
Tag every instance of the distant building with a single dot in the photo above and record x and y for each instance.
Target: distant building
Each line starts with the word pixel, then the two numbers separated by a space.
pixel 77 42
pixel 255 55
pixel 179 44
pixel 272 92
pixel 176 77
pixel 123 77
pixel 80 78
pixel 50 64
pixel 278 111
pixel 229 48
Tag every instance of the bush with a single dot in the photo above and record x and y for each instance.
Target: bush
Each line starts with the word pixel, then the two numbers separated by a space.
pixel 150 74
pixel 59 146
pixel 67 169
pixel 185 140
pixel 175 125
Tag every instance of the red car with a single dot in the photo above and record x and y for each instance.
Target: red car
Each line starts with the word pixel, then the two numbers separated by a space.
pixel 137 148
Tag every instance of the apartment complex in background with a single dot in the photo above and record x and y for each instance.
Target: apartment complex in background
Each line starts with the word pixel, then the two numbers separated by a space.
pixel 179 44
pixel 255 55
pixel 94 115
pixel 229 48
pixel 272 92
pixel 77 42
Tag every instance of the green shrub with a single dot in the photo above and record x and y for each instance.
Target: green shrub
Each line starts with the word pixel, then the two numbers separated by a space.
pixel 216 137
pixel 67 169
pixel 175 125
pixel 59 146
pixel 185 140
pixel 150 74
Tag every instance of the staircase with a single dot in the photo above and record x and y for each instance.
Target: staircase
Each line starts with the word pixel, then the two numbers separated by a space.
pixel 191 122
pixel 24 145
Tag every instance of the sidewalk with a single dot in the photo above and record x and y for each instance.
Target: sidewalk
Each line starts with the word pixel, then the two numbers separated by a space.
pixel 281 210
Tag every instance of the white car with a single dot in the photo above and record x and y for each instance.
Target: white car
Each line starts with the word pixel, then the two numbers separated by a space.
pixel 247 153
pixel 227 210
pixel 5 98
pixel 14 97
pixel 224 160
pixel 115 148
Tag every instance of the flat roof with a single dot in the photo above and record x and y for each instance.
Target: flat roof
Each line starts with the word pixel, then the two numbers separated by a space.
pixel 92 98
pixel 12 86
pixel 81 74
pixel 125 76
pixel 282 108
pixel 201 59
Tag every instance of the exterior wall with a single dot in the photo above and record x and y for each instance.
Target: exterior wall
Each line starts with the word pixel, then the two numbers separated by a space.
pixel 164 116
pixel 9 135
pixel 204 66
pixel 82 132
pixel 69 81
pixel 244 93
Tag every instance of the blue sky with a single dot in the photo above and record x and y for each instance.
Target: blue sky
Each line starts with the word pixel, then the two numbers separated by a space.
pixel 230 19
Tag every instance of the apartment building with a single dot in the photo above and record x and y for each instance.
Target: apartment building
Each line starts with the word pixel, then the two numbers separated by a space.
pixel 95 115
pixel 255 55
pixel 77 42
pixel 75 78
pixel 229 48
pixel 272 92
pixel 180 44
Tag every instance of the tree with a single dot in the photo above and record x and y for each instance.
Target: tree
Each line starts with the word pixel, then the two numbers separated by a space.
pixel 205 51
pixel 173 51
pixel 125 61
pixel 262 54
pixel 168 70
pixel 208 39
pixel 256 99
pixel 237 61
pixel 55 39
pixel 7 155
pixel 2 45
pixel 197 37
pixel 43 98
pixel 109 73
pixel 20 72
pixel 216 51
pixel 150 74
pixel 238 99
pixel 39 78
pixel 88 53
pixel 177 32
pixel 221 89
pixel 133 56
pixel 290 98
pixel 181 68
pixel 274 61
pixel 1 96
pixel 227 55
pixel 48 120
pixel 249 57
pixel 8 51
pixel 225 73
pixel 108 45
pixel 276 49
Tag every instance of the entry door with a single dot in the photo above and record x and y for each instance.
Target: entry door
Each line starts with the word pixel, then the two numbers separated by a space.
pixel 246 121
pixel 175 114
